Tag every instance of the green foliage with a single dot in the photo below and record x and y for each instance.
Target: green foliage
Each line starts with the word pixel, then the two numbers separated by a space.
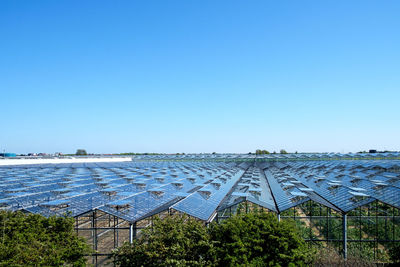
pixel 259 240
pixel 81 152
pixel 329 256
pixel 254 239
pixel 394 253
pixel 33 240
pixel 283 151
pixel 261 152
pixel 173 241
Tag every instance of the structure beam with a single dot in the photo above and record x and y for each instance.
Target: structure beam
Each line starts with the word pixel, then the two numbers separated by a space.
pixel 344 218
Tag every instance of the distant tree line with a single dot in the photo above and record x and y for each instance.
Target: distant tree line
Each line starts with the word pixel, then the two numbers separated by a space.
pixel 81 152
pixel 264 152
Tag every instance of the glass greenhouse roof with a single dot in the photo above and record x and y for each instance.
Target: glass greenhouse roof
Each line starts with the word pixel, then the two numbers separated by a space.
pixel 202 184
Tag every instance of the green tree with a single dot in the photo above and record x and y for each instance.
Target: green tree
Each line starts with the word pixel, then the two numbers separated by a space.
pixel 34 240
pixel 81 152
pixel 283 151
pixel 261 152
pixel 259 240
pixel 174 241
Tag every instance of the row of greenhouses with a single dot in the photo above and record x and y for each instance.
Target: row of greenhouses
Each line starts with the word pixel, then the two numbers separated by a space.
pixel 349 204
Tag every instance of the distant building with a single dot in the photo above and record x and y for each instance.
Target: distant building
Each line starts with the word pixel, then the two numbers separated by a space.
pixel 8 155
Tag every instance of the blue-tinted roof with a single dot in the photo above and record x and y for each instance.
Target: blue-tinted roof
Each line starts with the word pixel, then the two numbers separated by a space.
pixel 200 185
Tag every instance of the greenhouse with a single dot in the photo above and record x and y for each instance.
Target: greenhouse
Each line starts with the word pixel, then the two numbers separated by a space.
pixel 347 201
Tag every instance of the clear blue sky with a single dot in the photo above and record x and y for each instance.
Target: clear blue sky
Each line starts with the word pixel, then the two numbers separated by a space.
pixel 199 76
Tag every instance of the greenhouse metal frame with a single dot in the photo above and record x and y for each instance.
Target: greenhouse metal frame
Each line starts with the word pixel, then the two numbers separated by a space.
pixel 349 202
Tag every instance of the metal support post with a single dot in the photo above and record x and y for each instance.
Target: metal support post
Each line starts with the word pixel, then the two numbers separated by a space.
pixel 345 236
pixel 94 234
pixel 132 232
pixel 95 230
pixel 117 232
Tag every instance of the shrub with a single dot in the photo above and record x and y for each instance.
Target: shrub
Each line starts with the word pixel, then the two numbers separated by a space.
pixel 174 241
pixel 259 240
pixel 248 240
pixel 394 253
pixel 32 240
pixel 328 256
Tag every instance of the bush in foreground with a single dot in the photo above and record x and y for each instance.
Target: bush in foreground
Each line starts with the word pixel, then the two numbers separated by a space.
pixel 394 253
pixel 33 240
pixel 259 240
pixel 173 241
pixel 329 256
pixel 251 240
